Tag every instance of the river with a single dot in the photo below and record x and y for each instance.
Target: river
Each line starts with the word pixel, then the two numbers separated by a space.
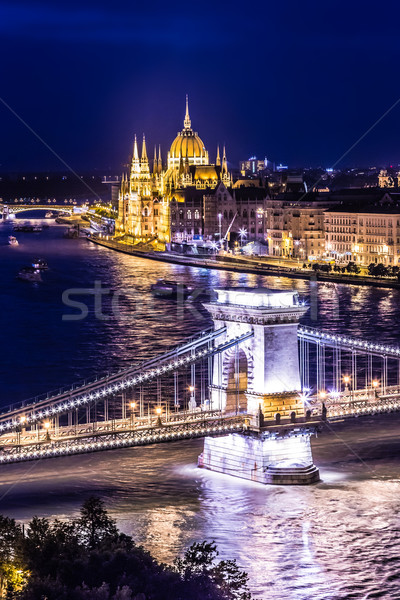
pixel 338 539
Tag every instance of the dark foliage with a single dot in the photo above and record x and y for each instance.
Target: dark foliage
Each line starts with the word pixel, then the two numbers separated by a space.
pixel 88 559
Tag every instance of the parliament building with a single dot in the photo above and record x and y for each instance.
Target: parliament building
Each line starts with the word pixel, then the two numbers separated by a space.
pixel 151 200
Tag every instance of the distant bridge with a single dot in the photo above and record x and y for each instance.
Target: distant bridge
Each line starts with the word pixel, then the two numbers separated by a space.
pixel 12 209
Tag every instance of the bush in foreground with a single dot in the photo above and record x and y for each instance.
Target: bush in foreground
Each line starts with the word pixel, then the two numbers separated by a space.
pixel 90 559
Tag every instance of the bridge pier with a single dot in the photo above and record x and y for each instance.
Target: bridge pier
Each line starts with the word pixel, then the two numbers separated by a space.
pixel 267 457
pixel 261 377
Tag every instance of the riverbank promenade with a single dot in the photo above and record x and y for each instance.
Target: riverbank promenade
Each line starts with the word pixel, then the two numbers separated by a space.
pixel 259 265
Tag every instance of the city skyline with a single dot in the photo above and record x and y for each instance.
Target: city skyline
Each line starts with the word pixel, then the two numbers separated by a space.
pixel 86 77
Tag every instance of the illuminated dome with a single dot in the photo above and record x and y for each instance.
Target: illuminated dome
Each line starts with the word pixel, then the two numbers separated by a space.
pixel 187 144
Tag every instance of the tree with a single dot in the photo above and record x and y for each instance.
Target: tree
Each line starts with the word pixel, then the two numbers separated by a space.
pixel 11 571
pixel 395 271
pixel 89 559
pixel 94 525
pixel 199 564
pixel 378 270
pixel 353 268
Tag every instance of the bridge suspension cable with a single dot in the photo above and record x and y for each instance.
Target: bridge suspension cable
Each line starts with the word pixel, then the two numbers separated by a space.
pixel 190 353
pixel 346 342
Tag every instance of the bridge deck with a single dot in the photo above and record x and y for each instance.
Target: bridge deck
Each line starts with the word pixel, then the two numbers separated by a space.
pixel 80 439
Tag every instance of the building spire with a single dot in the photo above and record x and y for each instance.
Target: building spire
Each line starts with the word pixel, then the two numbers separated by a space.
pixel 135 168
pixel 144 152
pixel 181 168
pixel 159 164
pixel 155 169
pixel 187 161
pixel 218 161
pixel 187 122
pixel 224 163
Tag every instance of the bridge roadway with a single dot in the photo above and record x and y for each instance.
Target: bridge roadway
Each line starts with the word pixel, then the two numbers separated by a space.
pixel 30 413
pixel 359 402
pixel 118 433
pixel 17 208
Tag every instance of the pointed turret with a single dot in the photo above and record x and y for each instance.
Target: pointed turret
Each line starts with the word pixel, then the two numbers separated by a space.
pixel 155 165
pixel 135 169
pixel 218 161
pixel 187 122
pixel 144 151
pixel 224 163
pixel 180 164
pixel 144 161
pixel 135 150
pixel 187 162
pixel 159 160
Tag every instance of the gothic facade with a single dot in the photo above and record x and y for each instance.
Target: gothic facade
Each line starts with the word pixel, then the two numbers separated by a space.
pixel 145 198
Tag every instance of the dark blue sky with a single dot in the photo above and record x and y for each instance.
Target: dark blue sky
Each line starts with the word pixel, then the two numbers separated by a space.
pixel 297 82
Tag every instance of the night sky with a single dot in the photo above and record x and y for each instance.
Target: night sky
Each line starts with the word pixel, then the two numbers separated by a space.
pixel 298 82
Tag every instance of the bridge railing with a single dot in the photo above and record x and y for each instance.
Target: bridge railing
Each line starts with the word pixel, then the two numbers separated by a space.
pixel 54 407
pixel 110 375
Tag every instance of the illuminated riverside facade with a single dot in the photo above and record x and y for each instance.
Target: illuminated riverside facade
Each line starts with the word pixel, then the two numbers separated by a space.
pixel 190 200
pixel 295 228
pixel 146 196
pixel 364 236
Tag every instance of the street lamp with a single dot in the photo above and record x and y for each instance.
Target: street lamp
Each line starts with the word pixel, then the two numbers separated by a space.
pixel 375 385
pixel 242 235
pixel 132 407
pixel 158 413
pixel 346 381
pixel 220 226
pixel 46 425
pixel 192 401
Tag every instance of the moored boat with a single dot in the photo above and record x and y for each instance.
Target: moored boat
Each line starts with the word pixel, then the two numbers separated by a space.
pixel 39 263
pixel 71 233
pixel 29 274
pixel 170 289
pixel 12 240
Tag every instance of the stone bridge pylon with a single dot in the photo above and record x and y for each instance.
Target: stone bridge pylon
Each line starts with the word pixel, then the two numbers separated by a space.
pixel 263 370
pixel 260 376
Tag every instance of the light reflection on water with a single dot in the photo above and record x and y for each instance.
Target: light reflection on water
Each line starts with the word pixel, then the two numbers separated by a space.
pixel 331 540
pixel 337 539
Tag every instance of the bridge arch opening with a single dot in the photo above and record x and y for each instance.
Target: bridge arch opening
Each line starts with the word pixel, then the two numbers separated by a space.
pixel 237 381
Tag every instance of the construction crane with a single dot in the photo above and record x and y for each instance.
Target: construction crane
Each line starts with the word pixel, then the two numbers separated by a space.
pixel 223 240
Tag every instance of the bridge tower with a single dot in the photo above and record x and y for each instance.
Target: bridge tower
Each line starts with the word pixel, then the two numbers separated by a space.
pixel 263 370
pixel 261 376
pixel 5 212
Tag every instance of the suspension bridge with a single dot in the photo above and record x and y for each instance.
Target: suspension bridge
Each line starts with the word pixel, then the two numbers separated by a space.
pixel 254 386
pixel 9 211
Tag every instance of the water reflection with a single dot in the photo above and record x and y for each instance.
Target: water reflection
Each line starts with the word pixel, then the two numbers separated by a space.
pixel 338 539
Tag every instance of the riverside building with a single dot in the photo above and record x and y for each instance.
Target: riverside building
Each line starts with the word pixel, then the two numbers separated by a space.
pixel 365 235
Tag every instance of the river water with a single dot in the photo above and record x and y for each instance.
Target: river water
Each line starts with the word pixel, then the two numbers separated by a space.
pixel 338 539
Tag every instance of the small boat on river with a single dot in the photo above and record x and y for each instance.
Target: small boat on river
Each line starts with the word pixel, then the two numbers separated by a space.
pixel 170 289
pixel 39 263
pixel 29 274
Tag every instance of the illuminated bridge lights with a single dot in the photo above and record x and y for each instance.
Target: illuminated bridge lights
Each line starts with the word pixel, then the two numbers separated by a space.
pixel 66 406
pixel 309 334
